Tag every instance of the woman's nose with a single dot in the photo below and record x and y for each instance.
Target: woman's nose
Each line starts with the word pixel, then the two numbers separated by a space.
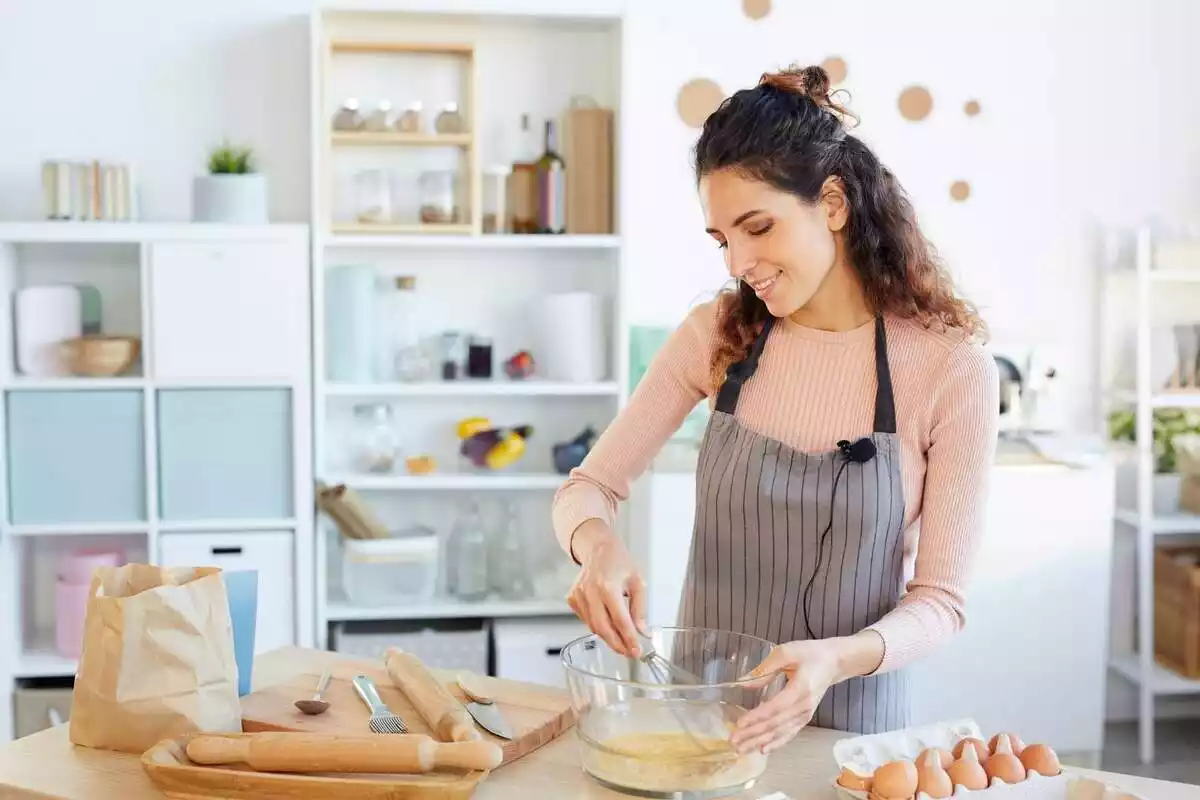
pixel 740 261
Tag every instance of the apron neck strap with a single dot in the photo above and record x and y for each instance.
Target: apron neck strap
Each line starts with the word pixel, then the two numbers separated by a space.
pixel 741 371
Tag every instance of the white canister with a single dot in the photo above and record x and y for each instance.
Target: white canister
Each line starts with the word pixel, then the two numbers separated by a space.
pixel 46 316
pixel 230 198
pixel 570 335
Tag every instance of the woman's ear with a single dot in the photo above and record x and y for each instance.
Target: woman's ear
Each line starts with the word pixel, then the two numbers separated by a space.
pixel 834 204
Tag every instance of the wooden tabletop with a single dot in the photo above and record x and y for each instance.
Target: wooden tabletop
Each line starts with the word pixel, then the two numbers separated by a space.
pixel 47 765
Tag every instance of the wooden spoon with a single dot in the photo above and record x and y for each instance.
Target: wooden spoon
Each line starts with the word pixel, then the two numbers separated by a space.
pixel 317 705
pixel 407 754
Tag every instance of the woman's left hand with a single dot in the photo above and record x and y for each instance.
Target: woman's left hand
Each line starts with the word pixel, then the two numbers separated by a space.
pixel 811 668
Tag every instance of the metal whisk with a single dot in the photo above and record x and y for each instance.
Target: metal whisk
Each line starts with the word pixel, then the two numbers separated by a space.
pixel 670 674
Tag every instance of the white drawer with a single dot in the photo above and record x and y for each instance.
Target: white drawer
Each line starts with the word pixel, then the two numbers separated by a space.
pixel 270 553
pixel 531 649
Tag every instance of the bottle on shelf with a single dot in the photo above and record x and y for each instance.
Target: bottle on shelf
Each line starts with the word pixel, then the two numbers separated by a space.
pixel 376 444
pixel 522 183
pixel 551 185
pixel 509 571
pixel 467 551
pixel 401 356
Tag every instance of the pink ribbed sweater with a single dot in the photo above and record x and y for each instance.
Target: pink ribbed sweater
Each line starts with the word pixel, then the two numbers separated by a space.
pixel 811 389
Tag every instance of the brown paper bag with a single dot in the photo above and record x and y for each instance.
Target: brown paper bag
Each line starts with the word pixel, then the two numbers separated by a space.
pixel 157 658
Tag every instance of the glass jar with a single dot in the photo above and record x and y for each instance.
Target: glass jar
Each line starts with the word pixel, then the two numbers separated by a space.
pixel 495 199
pixel 439 198
pixel 449 120
pixel 347 118
pixel 450 355
pixel 380 118
pixel 376 445
pixel 372 197
pixel 409 120
pixel 479 357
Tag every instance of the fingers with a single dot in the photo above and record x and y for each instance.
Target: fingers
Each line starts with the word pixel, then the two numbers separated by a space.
pixel 637 602
pixel 772 735
pixel 795 693
pixel 622 620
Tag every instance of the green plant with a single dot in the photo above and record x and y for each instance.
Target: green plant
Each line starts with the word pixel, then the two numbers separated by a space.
pixel 230 160
pixel 1168 423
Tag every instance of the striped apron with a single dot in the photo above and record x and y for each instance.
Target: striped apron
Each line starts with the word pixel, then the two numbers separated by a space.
pixel 790 545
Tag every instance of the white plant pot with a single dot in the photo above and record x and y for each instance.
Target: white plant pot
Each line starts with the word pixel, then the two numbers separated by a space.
pixel 230 198
pixel 1166 492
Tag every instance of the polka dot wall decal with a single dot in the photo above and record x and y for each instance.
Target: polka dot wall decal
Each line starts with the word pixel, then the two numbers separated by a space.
pixel 756 9
pixel 836 67
pixel 971 108
pixel 960 190
pixel 697 99
pixel 915 103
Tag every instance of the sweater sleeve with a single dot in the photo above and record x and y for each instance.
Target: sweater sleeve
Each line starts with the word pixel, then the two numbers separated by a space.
pixel 961 451
pixel 675 381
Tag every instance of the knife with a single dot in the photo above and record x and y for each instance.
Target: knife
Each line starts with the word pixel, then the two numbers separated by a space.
pixel 482 708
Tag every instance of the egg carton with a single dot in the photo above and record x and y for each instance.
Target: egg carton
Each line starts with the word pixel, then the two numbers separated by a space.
pixel 863 754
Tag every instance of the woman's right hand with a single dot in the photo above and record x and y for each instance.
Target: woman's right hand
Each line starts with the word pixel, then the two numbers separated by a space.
pixel 609 594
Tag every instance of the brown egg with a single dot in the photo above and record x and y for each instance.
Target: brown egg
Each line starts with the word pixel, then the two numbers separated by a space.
pixel 853 781
pixel 1014 741
pixel 1042 759
pixel 895 780
pixel 967 772
pixel 932 778
pixel 981 749
pixel 944 756
pixel 1005 767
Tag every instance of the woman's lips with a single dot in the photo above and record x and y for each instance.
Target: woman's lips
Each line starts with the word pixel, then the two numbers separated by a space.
pixel 763 287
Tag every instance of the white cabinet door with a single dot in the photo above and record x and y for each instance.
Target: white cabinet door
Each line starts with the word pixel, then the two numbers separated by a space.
pixel 270 553
pixel 229 310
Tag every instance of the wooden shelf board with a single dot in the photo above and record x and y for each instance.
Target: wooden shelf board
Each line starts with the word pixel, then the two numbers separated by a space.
pixel 473 388
pixel 342 610
pixel 361 228
pixel 398 139
pixel 465 49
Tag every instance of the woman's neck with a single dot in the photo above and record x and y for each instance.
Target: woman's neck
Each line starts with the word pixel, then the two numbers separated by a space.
pixel 839 303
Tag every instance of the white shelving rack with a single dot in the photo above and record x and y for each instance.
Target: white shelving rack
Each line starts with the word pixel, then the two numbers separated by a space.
pixel 1152 680
pixel 169 284
pixel 470 281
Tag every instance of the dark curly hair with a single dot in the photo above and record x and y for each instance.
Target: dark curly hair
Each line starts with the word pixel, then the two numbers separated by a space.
pixel 787 132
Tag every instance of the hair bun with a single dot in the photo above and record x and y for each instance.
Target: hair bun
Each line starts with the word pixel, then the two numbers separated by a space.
pixel 811 82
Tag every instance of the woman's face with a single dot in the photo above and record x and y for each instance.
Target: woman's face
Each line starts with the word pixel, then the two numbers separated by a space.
pixel 780 245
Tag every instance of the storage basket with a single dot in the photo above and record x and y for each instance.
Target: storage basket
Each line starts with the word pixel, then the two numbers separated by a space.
pixel 1177 608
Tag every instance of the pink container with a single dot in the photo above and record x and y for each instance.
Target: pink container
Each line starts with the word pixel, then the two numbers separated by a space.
pixel 71 596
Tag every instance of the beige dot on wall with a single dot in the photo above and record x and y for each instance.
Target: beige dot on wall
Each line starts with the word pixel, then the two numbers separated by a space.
pixel 971 108
pixel 915 103
pixel 697 99
pixel 836 67
pixel 756 9
pixel 960 190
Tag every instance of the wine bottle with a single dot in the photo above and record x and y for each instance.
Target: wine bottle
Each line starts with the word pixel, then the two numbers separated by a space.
pixel 551 184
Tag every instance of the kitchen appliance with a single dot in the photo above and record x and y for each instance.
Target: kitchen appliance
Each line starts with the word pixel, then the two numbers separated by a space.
pixel 629 727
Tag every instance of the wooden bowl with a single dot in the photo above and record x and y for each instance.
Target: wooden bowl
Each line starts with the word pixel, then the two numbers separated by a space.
pixel 101 356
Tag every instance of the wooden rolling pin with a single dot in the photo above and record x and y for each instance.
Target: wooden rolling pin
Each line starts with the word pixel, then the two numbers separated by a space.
pixel 408 754
pixel 444 714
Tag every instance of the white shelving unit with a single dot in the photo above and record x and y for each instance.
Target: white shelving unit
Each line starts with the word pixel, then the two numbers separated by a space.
pixel 469 281
pixel 1151 679
pixel 203 341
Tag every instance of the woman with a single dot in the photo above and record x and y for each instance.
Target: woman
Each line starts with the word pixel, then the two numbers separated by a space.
pixel 850 402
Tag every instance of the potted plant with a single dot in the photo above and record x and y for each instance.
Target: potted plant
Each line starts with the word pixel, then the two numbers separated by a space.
pixel 1168 423
pixel 232 191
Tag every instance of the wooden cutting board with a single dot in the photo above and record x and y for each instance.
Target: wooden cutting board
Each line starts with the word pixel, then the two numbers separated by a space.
pixel 538 714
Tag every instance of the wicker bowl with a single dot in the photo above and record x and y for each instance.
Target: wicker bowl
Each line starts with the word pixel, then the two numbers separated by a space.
pixel 100 355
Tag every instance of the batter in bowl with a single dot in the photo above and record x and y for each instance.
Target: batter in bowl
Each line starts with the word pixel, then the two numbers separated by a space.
pixel 670 762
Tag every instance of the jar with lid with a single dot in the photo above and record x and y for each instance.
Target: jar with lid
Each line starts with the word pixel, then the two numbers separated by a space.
pixel 348 118
pixel 479 357
pixel 380 118
pixel 372 196
pixel 449 120
pixel 439 198
pixel 409 120
pixel 376 445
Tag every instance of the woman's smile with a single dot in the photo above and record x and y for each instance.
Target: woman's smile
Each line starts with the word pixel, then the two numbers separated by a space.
pixel 762 285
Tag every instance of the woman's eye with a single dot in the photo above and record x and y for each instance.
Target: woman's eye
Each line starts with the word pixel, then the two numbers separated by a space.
pixel 722 245
pixel 761 231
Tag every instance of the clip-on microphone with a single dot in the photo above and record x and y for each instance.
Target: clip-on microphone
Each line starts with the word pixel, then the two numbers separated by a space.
pixel 859 452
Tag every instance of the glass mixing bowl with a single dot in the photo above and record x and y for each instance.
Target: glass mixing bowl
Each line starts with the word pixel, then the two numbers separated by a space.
pixel 656 729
